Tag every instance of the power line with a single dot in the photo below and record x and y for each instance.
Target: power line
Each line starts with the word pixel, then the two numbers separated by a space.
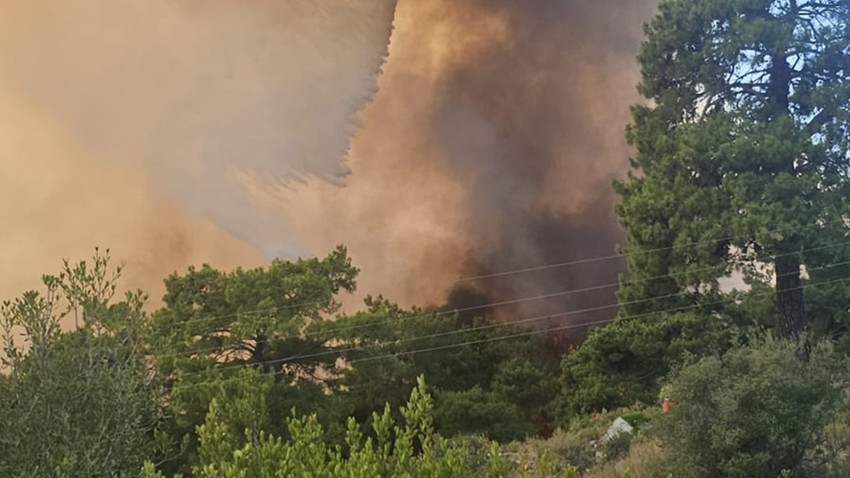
pixel 528 320
pixel 515 322
pixel 503 337
pixel 575 326
pixel 616 256
pixel 556 294
pixel 588 260
pixel 492 304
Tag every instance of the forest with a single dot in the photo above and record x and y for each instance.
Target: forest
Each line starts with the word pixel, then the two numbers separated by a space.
pixel 727 356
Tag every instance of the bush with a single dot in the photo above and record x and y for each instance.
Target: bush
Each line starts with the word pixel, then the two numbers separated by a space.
pixel 752 413
pixel 476 411
pixel 412 449
pixel 580 445
pixel 641 461
pixel 622 364
pixel 478 451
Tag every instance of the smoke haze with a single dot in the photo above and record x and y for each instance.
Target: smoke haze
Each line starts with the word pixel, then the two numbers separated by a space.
pixel 61 200
pixel 489 146
pixel 139 125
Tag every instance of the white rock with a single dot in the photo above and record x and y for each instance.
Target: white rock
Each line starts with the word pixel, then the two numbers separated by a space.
pixel 618 427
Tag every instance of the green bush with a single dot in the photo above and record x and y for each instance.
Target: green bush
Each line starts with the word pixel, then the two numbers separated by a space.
pixel 753 413
pixel 636 419
pixel 617 447
pixel 574 447
pixel 478 452
pixel 411 450
pixel 622 363
pixel 476 411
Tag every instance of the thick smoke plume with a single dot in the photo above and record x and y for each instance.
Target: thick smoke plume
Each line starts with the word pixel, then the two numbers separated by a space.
pixel 490 147
pixel 151 126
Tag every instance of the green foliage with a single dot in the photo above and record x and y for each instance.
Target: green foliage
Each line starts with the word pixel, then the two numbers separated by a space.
pixel 351 366
pixel 617 447
pixel 740 167
pixel 308 397
pixel 215 322
pixel 567 449
pixel 618 365
pixel 581 447
pixel 255 316
pixel 476 411
pixel 641 461
pixel 753 413
pixel 829 455
pixel 75 403
pixel 483 456
pixel 544 467
pixel 412 450
pixel 531 387
pixel 240 418
pixel 742 154
pixel 378 364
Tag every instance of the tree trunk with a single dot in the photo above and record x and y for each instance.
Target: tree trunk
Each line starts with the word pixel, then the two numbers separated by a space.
pixel 259 352
pixel 789 297
pixel 789 285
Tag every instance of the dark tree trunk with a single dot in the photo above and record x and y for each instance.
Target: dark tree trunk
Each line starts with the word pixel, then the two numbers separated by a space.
pixel 789 297
pixel 259 352
pixel 789 285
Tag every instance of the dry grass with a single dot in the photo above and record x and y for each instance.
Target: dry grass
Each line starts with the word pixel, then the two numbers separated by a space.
pixel 638 463
pixel 579 447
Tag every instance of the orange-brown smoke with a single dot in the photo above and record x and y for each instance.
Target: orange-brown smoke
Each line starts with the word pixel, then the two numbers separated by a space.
pixel 140 124
pixel 61 199
pixel 216 131
pixel 490 146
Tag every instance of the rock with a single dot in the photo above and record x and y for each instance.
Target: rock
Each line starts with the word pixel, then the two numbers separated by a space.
pixel 617 428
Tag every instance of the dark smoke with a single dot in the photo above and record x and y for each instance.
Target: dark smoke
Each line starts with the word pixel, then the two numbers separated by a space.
pixel 512 133
pixel 490 144
pixel 558 240
pixel 541 117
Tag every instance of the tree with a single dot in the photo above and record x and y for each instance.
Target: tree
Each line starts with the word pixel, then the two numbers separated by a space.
pixel 76 403
pixel 742 152
pixel 479 412
pixel 250 316
pixel 413 449
pixel 618 365
pixel 214 323
pixel 530 386
pixel 741 166
pixel 754 412
pixel 384 348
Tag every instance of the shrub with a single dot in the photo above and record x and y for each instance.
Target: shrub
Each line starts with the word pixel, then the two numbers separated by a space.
pixel 476 411
pixel 752 413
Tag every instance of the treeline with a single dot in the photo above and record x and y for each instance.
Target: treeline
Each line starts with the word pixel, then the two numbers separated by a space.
pixel 734 310
pixel 184 392
pixel 121 387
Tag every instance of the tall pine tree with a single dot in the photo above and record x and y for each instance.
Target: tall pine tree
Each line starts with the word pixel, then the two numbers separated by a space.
pixel 741 166
pixel 742 150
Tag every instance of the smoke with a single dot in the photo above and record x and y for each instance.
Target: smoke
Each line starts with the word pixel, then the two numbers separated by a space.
pixel 153 126
pixel 490 146
pixel 217 131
